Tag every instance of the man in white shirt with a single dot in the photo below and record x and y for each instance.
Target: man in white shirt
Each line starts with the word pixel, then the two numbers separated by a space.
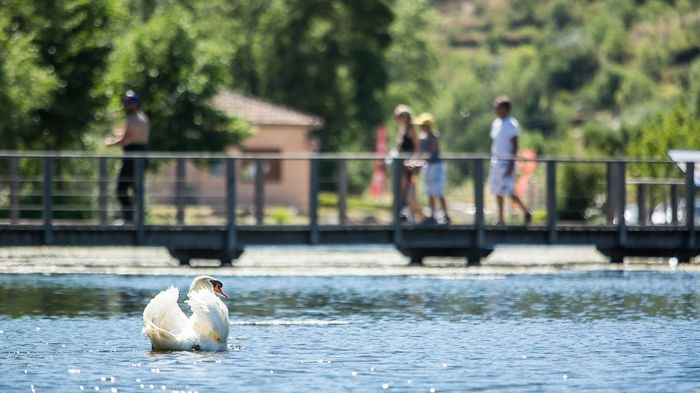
pixel 504 148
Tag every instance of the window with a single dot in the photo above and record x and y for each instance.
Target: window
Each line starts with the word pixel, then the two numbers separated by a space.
pixel 271 168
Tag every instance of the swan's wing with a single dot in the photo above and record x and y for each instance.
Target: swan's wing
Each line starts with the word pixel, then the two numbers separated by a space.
pixel 209 318
pixel 164 321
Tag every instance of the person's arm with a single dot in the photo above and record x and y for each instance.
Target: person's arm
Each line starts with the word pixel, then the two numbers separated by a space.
pixel 121 140
pixel 511 166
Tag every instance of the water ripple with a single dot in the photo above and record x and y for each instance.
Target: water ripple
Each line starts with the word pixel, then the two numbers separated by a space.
pixel 515 333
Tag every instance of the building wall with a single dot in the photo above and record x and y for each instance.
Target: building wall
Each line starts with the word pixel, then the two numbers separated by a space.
pixel 207 186
pixel 293 186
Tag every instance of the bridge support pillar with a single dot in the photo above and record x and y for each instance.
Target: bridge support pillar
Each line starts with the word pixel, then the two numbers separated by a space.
pixel 473 256
pixel 618 254
pixel 185 255
pixel 473 259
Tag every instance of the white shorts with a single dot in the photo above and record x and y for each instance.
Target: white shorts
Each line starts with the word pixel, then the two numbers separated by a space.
pixel 501 184
pixel 435 179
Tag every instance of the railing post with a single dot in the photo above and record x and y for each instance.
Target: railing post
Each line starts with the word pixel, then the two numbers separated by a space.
pixel 674 204
pixel 180 190
pixel 313 201
pixel 102 190
pixel 479 201
pixel 48 202
pixel 231 233
pixel 690 203
pixel 611 177
pixel 259 192
pixel 552 201
pixel 342 191
pixel 621 203
pixel 14 190
pixel 398 200
pixel 642 204
pixel 140 200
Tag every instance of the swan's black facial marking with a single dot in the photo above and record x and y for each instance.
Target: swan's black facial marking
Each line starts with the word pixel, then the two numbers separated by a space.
pixel 216 283
pixel 217 288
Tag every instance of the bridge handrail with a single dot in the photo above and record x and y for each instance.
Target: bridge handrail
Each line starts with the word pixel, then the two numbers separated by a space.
pixel 319 156
pixel 615 169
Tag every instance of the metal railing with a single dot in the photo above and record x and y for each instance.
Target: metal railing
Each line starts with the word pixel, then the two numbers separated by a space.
pixel 33 182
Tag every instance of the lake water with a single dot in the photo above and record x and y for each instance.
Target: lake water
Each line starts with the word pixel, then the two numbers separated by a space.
pixel 572 331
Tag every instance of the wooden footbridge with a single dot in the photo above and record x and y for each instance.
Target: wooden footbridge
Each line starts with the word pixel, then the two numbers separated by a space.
pixel 64 199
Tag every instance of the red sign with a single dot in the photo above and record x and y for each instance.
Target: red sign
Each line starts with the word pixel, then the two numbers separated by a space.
pixel 378 184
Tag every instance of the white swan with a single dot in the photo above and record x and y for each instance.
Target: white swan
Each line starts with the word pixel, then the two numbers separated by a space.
pixel 206 330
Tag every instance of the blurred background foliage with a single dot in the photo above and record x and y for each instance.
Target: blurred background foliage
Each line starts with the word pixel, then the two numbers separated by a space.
pixel 593 78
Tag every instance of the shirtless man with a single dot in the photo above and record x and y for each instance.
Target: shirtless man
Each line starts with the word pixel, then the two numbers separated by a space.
pixel 133 138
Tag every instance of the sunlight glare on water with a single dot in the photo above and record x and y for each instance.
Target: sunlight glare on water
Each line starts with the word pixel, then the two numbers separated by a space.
pixel 586 331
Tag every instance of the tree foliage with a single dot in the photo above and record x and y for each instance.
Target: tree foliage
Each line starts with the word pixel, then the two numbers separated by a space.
pixel 328 57
pixel 26 86
pixel 66 44
pixel 65 63
pixel 177 79
pixel 676 129
pixel 616 64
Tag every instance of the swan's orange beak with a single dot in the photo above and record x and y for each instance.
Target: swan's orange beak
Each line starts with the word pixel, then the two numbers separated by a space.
pixel 219 291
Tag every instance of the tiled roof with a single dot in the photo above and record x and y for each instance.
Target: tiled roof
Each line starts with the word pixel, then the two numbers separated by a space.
pixel 260 112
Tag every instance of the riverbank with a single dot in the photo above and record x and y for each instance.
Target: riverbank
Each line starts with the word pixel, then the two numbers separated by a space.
pixel 315 261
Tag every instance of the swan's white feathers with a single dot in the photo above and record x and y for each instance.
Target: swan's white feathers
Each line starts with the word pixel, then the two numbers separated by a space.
pixel 209 318
pixel 168 328
pixel 164 312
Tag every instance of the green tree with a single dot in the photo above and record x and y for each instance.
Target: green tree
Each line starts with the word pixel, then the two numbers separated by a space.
pixel 327 57
pixel 73 39
pixel 676 129
pixel 25 85
pixel 177 78
pixel 411 58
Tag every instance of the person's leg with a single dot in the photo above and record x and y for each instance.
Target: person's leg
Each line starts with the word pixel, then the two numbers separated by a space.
pixel 126 181
pixel 440 192
pixel 429 188
pixel 499 202
pixel 519 203
pixel 431 203
pixel 402 197
pixel 405 197
pixel 443 204
pixel 412 202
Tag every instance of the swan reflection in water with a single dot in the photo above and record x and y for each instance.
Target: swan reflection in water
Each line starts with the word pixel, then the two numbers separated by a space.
pixel 169 329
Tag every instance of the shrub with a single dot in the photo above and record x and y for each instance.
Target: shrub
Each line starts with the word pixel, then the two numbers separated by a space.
pixel 579 184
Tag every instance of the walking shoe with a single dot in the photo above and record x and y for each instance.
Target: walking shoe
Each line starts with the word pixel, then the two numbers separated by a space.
pixel 428 221
pixel 528 218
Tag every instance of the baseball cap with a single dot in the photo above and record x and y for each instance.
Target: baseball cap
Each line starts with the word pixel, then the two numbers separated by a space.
pixel 501 100
pixel 131 96
pixel 401 109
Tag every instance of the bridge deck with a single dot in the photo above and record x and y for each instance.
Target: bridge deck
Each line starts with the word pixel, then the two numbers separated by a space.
pixel 186 242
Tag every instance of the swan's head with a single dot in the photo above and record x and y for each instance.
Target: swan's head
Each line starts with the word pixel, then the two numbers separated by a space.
pixel 208 283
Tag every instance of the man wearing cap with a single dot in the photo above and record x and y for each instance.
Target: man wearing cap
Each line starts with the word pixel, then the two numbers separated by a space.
pixel 504 148
pixel 133 138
